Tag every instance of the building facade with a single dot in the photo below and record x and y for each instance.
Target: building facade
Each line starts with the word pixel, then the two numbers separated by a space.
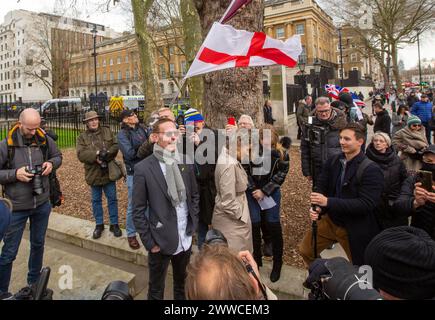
pixel 35 51
pixel 118 67
pixel 285 18
pixel 354 56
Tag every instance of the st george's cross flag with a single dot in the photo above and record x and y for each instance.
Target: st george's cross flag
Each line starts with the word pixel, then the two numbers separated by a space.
pixel 226 47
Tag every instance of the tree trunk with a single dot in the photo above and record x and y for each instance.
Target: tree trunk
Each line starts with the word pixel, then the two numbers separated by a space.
pixel 236 91
pixel 396 67
pixel 150 84
pixel 192 43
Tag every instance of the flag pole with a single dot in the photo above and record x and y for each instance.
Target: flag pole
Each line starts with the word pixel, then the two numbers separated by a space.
pixel 183 81
pixel 226 12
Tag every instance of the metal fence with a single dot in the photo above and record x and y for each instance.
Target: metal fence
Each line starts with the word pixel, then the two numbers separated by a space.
pixel 67 125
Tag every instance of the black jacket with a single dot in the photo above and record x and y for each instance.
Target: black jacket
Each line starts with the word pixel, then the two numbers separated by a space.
pixel 383 122
pixel 321 152
pixel 423 217
pixel 394 175
pixel 129 141
pixel 353 205
pixel 268 115
pixel 271 180
pixel 158 226
pixel 204 173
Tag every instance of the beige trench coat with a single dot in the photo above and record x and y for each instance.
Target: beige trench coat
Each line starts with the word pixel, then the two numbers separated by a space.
pixel 231 211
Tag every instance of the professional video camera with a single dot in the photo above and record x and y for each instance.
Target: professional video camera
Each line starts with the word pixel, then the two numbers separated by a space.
pixel 338 279
pixel 316 134
pixel 102 156
pixel 37 170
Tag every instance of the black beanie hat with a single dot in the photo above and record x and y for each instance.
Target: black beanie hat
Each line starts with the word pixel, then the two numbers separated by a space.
pixel 346 97
pixel 403 262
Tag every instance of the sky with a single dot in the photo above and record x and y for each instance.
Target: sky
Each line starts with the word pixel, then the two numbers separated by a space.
pixel 119 20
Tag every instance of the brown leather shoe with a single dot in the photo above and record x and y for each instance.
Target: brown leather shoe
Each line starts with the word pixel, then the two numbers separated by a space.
pixel 133 243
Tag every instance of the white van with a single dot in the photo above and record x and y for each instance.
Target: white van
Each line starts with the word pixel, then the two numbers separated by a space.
pixel 62 105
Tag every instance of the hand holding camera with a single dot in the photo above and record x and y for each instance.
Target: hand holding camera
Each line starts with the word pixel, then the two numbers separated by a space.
pixel 102 156
pixel 36 173
pixel 23 175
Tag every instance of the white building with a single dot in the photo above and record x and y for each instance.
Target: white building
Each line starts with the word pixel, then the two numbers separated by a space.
pixel 19 36
pixel 428 78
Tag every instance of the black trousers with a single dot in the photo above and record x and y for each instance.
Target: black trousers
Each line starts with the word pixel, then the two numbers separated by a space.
pixel 158 267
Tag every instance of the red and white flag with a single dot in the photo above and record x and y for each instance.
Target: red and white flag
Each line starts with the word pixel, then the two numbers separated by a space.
pixel 226 47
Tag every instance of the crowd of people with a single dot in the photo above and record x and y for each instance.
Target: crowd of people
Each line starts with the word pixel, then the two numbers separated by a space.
pixel 185 178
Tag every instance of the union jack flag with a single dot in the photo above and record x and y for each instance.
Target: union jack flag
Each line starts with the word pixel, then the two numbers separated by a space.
pixel 357 101
pixel 334 91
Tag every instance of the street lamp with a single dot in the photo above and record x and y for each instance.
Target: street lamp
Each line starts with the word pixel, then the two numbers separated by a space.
pixel 301 66
pixel 341 57
pixel 94 32
pixel 419 61
pixel 317 68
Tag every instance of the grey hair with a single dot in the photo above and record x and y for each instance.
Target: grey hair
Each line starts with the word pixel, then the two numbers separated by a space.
pixel 322 100
pixel 247 117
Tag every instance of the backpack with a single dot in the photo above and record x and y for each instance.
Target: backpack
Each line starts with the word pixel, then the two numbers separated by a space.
pixel 56 195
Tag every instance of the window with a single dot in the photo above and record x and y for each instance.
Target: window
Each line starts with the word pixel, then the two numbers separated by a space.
pixel 162 71
pixel 127 75
pixel 353 57
pixel 171 87
pixel 171 50
pixel 160 49
pixel 29 84
pixel 111 62
pixel 162 88
pixel 19 85
pixel 355 68
pixel 104 62
pixel 136 75
pixel 118 60
pixel 279 33
pixel 171 69
pixel 338 60
pixel 104 77
pixel 126 59
pixel 183 67
pixel 111 75
pixel 44 73
pixel 119 75
pixel 300 29
pixel 303 56
pixel 98 77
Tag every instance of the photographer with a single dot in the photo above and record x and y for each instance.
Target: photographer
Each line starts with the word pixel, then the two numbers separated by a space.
pixel 27 157
pixel 348 192
pixel 96 147
pixel 217 273
pixel 131 136
pixel 403 263
pixel 417 202
pixel 320 139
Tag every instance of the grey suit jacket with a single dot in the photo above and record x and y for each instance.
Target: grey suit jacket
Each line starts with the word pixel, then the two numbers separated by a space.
pixel 158 224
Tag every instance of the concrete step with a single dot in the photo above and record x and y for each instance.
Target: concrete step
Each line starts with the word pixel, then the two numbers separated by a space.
pixel 79 233
pixel 88 278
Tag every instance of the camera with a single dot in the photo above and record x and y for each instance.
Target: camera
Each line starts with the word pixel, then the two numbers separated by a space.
pixel 316 134
pixel 338 279
pixel 102 156
pixel 37 170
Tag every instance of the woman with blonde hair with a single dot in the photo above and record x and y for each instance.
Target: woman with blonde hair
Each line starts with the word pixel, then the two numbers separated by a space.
pixel 231 211
pixel 266 177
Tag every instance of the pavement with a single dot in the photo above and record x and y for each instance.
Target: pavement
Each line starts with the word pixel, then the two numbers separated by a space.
pixel 93 264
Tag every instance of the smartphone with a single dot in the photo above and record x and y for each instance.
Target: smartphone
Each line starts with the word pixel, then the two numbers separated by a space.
pixel 425 177
pixel 231 121
pixel 180 120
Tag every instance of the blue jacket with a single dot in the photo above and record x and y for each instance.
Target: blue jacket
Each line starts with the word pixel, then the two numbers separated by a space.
pixel 352 205
pixel 423 110
pixel 129 141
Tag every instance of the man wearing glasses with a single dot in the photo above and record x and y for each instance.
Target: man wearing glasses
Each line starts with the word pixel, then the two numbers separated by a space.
pixel 165 210
pixel 321 137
